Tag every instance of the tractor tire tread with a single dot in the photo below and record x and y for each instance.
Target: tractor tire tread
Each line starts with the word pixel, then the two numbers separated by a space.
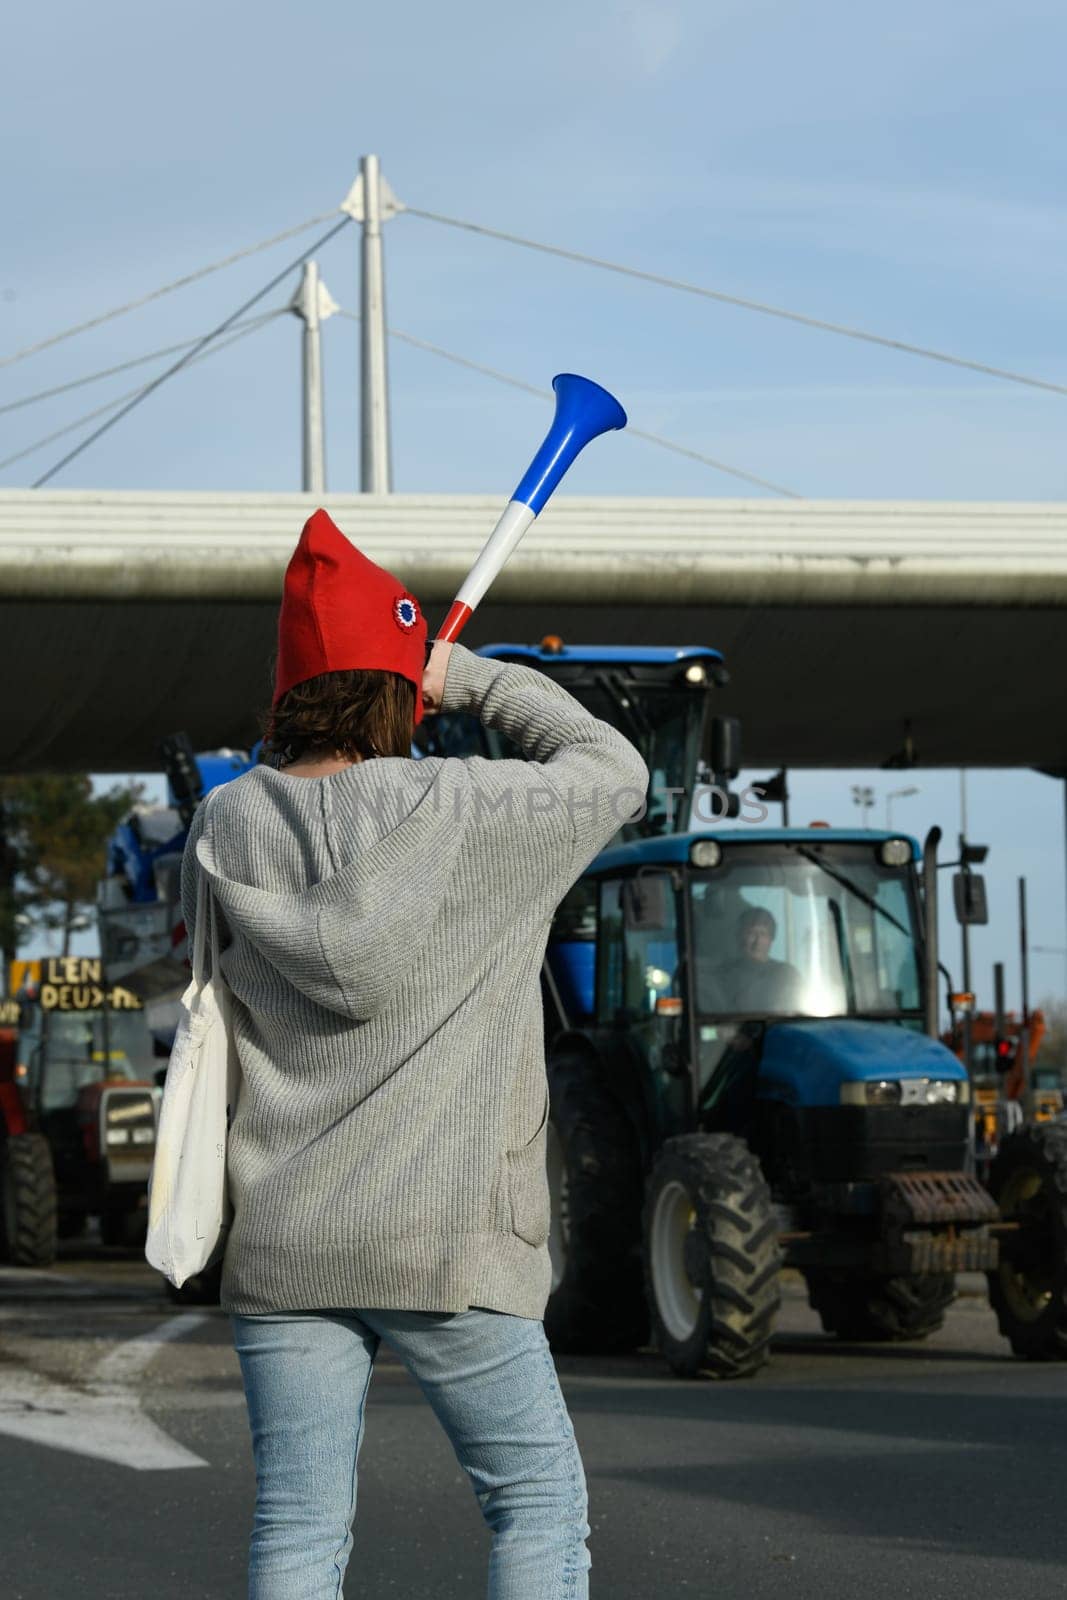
pixel 599 1307
pixel 30 1172
pixel 877 1308
pixel 1042 1148
pixel 739 1235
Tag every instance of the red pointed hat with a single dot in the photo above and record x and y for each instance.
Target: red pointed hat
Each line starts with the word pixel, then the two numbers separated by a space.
pixel 340 611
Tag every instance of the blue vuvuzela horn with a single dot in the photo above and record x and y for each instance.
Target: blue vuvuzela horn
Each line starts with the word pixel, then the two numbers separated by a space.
pixel 583 410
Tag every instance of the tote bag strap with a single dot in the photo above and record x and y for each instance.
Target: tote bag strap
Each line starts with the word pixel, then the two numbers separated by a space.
pixel 205 916
pixel 203 904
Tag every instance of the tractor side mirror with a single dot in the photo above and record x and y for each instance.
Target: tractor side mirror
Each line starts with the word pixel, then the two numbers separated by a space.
pixel 723 753
pixel 969 898
pixel 645 906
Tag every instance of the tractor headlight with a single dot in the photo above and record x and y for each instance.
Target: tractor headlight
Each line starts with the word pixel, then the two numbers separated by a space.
pixel 946 1092
pixel 906 1092
pixel 706 853
pixel 872 1092
pixel 895 852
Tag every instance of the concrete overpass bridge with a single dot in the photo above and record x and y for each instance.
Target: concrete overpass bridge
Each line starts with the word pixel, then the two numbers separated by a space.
pixel 857 633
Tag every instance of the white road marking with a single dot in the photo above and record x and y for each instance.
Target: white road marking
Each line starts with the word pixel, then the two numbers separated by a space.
pixel 129 1359
pixel 103 1420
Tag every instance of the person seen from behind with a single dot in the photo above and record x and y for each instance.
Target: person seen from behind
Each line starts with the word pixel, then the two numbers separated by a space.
pixel 383 921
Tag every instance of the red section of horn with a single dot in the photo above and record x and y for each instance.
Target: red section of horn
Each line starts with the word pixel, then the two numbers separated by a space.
pixel 458 617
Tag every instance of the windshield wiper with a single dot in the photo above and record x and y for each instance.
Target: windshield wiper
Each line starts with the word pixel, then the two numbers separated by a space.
pixel 854 888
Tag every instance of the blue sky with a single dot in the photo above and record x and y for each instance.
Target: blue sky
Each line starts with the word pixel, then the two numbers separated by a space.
pixel 897 168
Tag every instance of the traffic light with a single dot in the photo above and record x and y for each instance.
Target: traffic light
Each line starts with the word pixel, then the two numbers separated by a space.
pixel 1005 1049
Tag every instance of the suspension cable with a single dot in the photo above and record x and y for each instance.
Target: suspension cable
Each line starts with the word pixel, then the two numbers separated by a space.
pixel 546 394
pixel 182 361
pixel 167 288
pixel 745 304
pixel 123 366
pixel 245 329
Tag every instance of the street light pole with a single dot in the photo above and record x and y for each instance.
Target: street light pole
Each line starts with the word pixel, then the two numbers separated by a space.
pixel 965 961
pixel 863 796
pixel 965 931
pixel 1024 1032
pixel 895 794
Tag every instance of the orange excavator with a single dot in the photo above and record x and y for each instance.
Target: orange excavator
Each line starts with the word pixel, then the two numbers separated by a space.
pixel 998 1075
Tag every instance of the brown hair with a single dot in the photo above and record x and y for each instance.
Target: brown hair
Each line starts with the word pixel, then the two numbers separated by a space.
pixel 355 713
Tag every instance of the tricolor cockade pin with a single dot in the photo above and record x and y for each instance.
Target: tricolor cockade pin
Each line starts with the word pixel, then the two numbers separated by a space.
pixel 406 612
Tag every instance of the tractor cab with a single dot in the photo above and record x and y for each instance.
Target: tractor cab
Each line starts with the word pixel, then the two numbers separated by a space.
pixel 764 973
pixel 658 696
pixel 81 1125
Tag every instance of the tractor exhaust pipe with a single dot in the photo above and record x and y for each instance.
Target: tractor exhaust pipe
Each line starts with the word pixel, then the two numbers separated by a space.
pixel 930 962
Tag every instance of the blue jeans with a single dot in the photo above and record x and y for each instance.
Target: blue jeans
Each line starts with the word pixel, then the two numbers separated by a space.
pixel 492 1383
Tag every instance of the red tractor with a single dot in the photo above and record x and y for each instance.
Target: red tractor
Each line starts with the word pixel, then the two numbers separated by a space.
pixel 78 1110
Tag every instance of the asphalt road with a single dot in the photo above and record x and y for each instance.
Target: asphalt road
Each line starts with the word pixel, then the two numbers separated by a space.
pixel 930 1470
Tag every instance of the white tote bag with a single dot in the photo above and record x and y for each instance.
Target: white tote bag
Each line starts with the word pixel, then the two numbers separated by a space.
pixel 189 1209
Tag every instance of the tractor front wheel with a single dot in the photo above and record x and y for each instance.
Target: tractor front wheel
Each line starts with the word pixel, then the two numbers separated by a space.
pixel 859 1306
pixel 1028 1288
pixel 711 1256
pixel 27 1201
pixel 597 1300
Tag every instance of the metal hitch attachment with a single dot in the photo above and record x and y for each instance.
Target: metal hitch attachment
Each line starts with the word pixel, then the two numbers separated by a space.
pixel 937 1222
pixel 932 1199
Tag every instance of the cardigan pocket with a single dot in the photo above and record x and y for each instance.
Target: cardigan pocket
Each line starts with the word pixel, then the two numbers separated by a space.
pixel 528 1185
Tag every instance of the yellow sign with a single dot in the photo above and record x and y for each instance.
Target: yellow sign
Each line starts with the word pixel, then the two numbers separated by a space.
pixel 86 997
pixel 71 983
pixel 9 1013
pixel 20 973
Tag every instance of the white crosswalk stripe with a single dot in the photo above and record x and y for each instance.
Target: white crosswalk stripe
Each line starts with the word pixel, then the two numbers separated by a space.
pixel 104 1419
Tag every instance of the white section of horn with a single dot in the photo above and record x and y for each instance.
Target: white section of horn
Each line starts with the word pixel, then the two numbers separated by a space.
pixel 497 550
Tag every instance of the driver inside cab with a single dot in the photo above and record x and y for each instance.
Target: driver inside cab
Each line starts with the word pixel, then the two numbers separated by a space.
pixel 752 980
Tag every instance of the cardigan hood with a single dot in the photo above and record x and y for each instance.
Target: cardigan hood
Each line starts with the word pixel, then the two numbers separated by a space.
pixel 349 939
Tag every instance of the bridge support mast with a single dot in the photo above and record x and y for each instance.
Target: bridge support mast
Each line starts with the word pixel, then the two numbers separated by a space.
pixel 313 303
pixel 371 202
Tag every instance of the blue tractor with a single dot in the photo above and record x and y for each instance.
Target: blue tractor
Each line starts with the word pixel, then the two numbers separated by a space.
pixel 741 1036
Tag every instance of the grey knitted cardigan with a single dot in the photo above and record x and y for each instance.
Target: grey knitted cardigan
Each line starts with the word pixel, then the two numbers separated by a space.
pixel 383 930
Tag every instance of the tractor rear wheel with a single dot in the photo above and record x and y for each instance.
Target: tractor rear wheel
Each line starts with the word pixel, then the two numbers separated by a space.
pixel 711 1256
pixel 28 1228
pixel 863 1307
pixel 1028 1288
pixel 597 1301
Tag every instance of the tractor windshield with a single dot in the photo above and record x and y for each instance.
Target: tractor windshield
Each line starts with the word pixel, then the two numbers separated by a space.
pixel 809 931
pixel 70 1049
